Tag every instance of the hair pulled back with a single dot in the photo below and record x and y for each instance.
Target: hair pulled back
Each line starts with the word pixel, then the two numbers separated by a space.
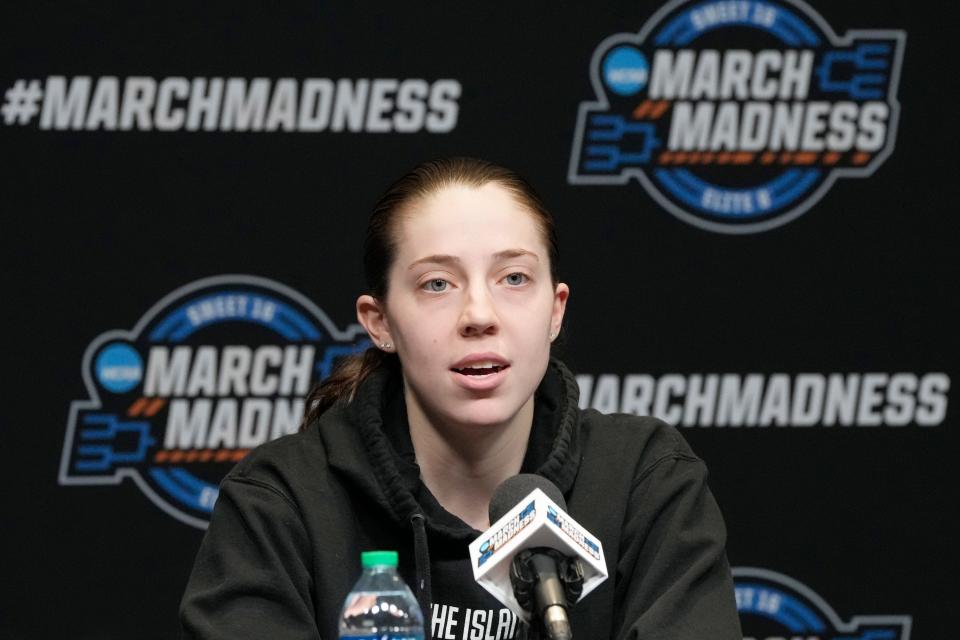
pixel 380 250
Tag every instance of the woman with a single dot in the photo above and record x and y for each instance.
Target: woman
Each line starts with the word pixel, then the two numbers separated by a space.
pixel 403 448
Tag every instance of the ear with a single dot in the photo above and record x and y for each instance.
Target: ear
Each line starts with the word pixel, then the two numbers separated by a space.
pixel 371 314
pixel 560 295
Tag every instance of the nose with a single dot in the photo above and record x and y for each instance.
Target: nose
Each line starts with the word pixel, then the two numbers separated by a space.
pixel 478 316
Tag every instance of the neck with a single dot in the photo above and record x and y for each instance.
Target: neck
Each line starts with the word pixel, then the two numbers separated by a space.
pixel 463 465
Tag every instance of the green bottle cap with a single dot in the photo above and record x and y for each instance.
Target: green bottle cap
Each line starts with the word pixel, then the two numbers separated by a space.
pixel 378 559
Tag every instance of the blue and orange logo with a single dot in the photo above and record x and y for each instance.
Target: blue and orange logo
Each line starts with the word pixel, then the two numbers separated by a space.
pixel 506 533
pixel 214 369
pixel 738 116
pixel 774 606
pixel 573 533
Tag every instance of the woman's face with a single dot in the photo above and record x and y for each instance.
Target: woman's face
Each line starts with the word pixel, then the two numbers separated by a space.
pixel 471 309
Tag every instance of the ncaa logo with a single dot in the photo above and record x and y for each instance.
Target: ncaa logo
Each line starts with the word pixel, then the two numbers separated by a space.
pixel 773 606
pixel 214 369
pixel 737 116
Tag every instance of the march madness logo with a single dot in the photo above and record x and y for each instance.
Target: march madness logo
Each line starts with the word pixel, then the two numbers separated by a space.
pixel 737 116
pixel 507 532
pixel 214 369
pixel 773 606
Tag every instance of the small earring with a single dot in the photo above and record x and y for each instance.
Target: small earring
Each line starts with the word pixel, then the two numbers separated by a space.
pixel 386 345
pixel 552 336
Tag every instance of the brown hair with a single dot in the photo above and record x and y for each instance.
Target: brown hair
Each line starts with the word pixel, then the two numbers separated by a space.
pixel 379 252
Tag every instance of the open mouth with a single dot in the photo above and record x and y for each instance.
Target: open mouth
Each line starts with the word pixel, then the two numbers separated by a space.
pixel 480 370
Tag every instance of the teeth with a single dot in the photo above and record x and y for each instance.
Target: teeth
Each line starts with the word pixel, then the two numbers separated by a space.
pixel 481 366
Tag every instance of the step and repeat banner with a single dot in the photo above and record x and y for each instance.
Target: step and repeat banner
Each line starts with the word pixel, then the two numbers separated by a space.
pixel 755 202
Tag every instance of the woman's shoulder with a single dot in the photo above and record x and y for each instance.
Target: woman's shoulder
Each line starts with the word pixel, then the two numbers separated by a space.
pixel 284 462
pixel 643 439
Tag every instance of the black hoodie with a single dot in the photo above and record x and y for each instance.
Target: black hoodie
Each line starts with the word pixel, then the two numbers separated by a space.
pixel 283 547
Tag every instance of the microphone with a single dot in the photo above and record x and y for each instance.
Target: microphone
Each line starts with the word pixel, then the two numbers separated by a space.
pixel 535 558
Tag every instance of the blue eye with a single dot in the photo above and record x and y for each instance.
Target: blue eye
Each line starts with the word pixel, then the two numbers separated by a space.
pixel 516 278
pixel 436 285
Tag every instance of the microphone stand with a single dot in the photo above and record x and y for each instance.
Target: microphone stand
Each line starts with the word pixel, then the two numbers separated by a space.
pixel 545 582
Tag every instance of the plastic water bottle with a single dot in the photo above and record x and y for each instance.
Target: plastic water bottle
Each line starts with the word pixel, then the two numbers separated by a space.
pixel 381 605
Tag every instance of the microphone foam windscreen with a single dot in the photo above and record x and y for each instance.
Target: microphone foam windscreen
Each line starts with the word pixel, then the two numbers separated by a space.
pixel 513 490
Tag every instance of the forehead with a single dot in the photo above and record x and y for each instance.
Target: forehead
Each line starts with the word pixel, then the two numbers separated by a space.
pixel 462 220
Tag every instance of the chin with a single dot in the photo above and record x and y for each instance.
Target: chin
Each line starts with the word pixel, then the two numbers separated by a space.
pixel 488 412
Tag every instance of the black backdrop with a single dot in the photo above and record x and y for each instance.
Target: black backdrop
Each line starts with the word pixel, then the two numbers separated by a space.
pixel 99 225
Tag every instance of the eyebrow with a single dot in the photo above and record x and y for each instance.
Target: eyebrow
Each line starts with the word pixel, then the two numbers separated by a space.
pixel 499 255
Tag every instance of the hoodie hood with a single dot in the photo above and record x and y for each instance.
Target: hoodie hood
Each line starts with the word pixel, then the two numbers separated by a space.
pixel 368 440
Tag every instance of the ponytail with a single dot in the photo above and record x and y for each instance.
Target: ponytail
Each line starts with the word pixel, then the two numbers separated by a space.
pixel 344 382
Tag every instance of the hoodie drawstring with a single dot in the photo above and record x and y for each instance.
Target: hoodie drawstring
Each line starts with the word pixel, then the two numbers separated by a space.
pixel 422 557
